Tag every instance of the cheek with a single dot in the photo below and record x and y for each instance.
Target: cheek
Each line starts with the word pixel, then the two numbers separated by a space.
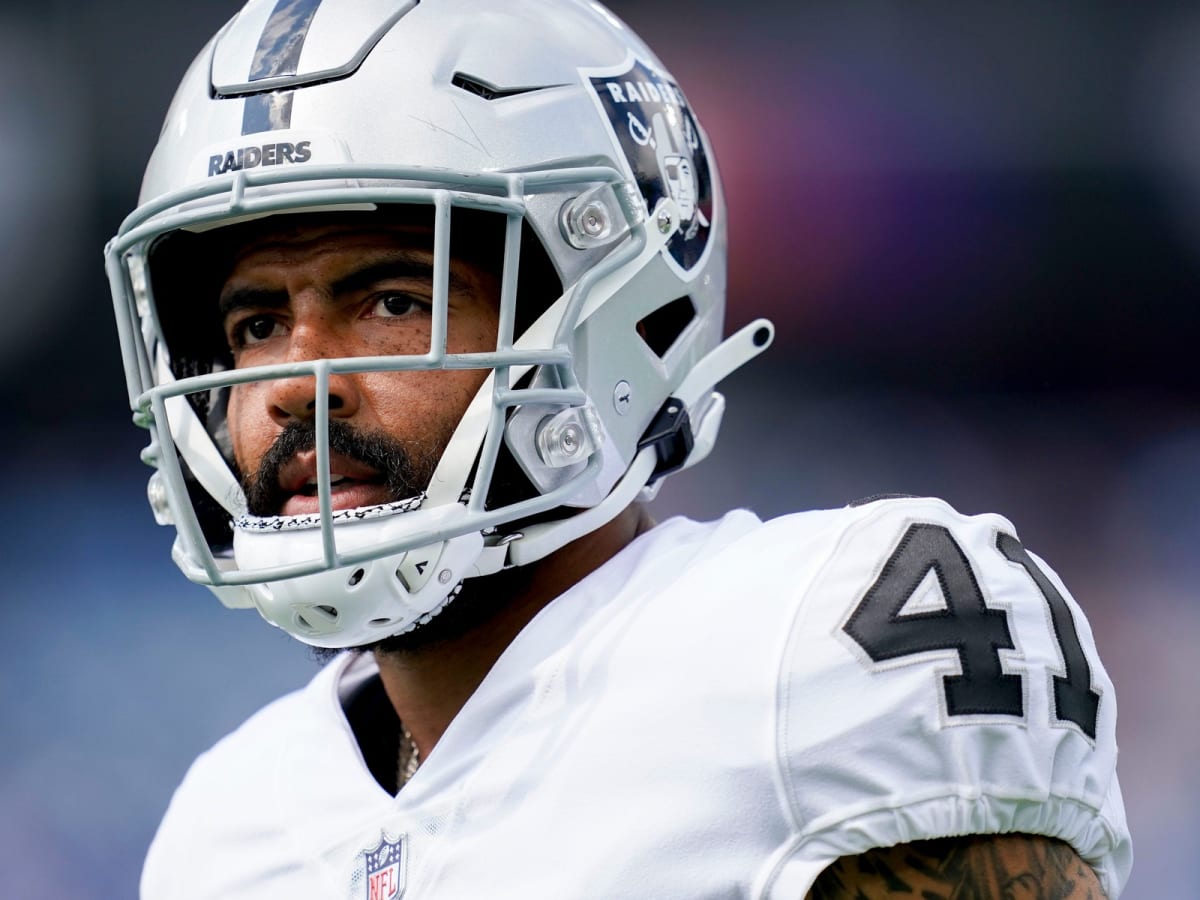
pixel 474 329
pixel 421 406
pixel 250 435
pixel 472 337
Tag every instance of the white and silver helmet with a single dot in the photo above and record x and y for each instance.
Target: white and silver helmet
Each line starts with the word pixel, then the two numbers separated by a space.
pixel 548 114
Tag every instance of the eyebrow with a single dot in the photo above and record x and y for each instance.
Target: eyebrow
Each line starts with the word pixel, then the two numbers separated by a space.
pixel 399 267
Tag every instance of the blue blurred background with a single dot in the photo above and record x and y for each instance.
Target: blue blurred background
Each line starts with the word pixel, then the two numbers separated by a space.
pixel 978 231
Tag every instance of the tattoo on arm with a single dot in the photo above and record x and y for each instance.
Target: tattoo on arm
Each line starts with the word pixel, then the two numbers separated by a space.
pixel 979 867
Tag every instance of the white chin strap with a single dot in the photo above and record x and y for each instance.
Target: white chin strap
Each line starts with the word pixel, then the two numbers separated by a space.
pixel 696 395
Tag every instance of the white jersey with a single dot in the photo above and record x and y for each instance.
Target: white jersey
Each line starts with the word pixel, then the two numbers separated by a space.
pixel 720 711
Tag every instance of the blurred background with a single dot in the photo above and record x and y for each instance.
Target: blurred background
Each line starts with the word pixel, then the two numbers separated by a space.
pixel 978 231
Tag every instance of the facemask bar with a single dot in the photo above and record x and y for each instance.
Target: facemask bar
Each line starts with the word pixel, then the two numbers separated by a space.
pixel 501 193
pixel 200 205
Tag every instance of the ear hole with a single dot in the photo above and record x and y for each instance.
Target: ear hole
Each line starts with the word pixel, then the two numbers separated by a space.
pixel 662 328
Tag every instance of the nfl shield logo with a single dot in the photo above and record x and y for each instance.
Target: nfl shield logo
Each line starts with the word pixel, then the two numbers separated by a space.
pixel 385 869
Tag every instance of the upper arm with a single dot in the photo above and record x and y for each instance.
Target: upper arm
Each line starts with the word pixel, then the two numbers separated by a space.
pixel 976 867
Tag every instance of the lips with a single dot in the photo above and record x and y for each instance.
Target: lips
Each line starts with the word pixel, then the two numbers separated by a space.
pixel 353 484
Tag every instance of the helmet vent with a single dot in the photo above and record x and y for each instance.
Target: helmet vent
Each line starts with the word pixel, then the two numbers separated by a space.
pixel 316 619
pixel 488 91
pixel 662 328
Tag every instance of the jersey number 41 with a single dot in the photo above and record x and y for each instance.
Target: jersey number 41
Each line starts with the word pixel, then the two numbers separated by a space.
pixel 969 627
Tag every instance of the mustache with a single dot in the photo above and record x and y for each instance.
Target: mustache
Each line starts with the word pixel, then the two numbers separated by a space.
pixel 404 473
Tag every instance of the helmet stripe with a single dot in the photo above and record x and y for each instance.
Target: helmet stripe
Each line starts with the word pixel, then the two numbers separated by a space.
pixel 278 53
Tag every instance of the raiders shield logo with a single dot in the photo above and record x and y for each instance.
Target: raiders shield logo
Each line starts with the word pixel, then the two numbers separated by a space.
pixel 656 131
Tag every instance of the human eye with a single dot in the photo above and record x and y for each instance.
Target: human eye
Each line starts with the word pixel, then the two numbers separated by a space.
pixel 394 304
pixel 253 329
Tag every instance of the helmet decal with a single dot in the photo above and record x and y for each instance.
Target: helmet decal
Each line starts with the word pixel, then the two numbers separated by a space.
pixel 277 153
pixel 278 53
pixel 658 135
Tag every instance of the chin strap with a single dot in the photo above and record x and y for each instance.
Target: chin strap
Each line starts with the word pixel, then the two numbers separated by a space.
pixel 678 443
pixel 724 359
pixel 671 444
pixel 538 541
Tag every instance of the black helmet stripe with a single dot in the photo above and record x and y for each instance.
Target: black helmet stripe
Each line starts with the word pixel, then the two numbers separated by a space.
pixel 278 53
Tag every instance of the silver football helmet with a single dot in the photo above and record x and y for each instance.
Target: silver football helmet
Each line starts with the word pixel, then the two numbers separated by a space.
pixel 550 116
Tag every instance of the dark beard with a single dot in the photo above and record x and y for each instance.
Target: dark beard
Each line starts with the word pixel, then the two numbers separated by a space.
pixel 404 474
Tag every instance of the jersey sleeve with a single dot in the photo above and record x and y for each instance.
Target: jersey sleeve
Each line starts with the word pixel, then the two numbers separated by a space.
pixel 939 681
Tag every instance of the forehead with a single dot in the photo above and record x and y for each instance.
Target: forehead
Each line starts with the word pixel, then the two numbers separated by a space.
pixel 476 239
pixel 293 244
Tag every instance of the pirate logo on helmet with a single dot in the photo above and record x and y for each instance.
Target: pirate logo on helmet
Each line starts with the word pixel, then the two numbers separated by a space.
pixel 658 135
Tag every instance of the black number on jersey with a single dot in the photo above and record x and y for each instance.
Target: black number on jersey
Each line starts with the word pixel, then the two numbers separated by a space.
pixel 1074 699
pixel 966 625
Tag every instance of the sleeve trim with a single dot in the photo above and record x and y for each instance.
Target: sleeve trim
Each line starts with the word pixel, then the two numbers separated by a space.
pixel 796 864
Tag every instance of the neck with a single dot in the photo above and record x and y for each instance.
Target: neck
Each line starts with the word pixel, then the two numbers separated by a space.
pixel 430 674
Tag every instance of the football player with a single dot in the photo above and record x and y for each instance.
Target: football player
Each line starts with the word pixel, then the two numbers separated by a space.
pixel 420 303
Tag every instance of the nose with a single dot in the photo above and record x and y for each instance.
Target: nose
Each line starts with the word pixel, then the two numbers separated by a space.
pixel 295 399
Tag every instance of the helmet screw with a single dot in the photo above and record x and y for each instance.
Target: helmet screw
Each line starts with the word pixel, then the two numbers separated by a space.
pixel 623 397
pixel 569 440
pixel 566 437
pixel 593 220
pixel 156 493
pixel 664 221
pixel 444 576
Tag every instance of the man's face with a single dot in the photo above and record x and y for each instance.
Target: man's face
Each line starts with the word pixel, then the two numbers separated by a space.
pixel 346 289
